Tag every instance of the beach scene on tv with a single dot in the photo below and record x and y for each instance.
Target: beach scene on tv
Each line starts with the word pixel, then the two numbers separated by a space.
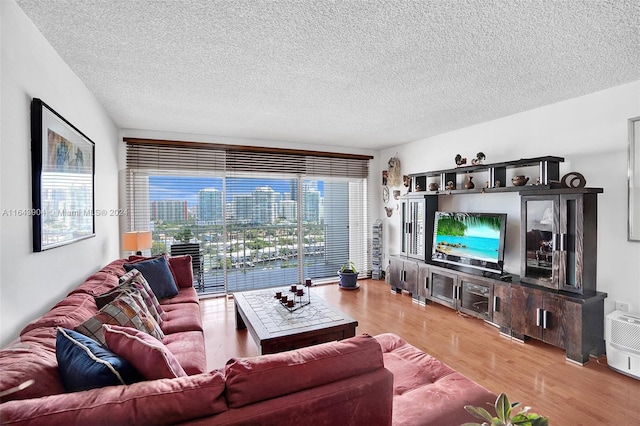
pixel 468 236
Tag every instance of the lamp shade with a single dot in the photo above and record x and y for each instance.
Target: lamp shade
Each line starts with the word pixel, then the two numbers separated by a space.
pixel 137 240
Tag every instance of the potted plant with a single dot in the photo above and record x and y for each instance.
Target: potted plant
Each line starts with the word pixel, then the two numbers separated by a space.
pixel 348 275
pixel 503 415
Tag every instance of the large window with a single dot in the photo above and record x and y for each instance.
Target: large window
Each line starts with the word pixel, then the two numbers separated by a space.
pixel 256 219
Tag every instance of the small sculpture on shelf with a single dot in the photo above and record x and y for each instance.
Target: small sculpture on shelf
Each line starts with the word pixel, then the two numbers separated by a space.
pixel 450 185
pixel 469 183
pixel 519 180
pixel 433 186
pixel 460 160
pixel 480 157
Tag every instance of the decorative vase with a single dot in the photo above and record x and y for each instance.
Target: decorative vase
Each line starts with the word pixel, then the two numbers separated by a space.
pixel 469 183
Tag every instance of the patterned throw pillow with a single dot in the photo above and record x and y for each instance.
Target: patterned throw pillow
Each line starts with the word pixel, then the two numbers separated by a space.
pixel 84 364
pixel 128 310
pixel 146 353
pixel 133 280
pixel 157 273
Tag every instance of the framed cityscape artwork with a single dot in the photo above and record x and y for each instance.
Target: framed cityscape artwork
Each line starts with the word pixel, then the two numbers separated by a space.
pixel 63 169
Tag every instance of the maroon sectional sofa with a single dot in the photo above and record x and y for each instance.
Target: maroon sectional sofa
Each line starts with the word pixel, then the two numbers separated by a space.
pixel 364 380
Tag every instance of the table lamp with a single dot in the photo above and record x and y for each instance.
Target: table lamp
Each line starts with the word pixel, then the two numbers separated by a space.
pixel 137 241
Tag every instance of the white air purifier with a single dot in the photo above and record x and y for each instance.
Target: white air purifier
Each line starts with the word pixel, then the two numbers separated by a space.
pixel 623 343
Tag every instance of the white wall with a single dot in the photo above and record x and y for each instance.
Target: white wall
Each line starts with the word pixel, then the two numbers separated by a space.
pixel 590 132
pixel 30 283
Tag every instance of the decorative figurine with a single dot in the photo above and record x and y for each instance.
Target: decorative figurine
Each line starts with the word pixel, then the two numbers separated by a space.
pixel 460 160
pixel 450 185
pixel 393 175
pixel 519 180
pixel 433 186
pixel 479 158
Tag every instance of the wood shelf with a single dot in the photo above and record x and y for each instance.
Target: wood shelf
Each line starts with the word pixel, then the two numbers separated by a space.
pixel 548 171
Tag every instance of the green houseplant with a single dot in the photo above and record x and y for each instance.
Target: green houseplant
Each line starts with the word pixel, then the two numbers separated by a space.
pixel 348 275
pixel 503 415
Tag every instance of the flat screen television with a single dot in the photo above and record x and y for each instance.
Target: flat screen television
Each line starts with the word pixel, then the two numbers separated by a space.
pixel 474 240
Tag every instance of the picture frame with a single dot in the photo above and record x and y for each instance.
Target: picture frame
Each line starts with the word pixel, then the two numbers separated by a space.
pixel 634 180
pixel 63 180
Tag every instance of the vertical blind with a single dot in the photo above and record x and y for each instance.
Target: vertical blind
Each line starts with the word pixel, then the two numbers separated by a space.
pixel 261 217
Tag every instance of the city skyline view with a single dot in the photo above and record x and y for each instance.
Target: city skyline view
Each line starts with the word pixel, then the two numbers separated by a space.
pixel 162 188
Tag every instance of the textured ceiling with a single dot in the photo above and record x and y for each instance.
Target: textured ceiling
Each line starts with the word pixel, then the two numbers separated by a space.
pixel 362 74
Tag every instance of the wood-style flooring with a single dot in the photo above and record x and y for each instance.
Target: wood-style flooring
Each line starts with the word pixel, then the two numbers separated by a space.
pixel 533 373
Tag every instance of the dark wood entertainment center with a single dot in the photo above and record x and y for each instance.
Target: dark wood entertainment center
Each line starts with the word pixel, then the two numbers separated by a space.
pixel 554 299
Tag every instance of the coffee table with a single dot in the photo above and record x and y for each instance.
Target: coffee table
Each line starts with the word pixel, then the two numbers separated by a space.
pixel 276 329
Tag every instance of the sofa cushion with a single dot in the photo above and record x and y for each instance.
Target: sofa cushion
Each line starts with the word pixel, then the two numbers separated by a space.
pixel 166 401
pixel 24 361
pixel 182 317
pixel 85 364
pixel 185 295
pixel 418 376
pixel 156 272
pixel 127 310
pixel 251 380
pixel 147 354
pixel 98 283
pixel 133 280
pixel 188 348
pixel 65 314
pixel 182 269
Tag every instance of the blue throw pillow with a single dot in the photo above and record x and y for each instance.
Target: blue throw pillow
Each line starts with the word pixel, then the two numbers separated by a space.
pixel 84 364
pixel 157 273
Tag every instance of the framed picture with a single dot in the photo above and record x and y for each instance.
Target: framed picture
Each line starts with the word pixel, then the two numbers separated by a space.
pixel 634 179
pixel 63 168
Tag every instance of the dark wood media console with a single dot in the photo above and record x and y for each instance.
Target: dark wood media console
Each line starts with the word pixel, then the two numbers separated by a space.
pixel 553 300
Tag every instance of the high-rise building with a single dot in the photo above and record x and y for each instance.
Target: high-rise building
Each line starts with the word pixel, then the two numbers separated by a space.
pixel 264 205
pixel 310 203
pixel 169 210
pixel 289 210
pixel 210 206
pixel 242 208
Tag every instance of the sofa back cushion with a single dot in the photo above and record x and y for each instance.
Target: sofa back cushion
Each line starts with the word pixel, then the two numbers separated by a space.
pixel 251 380
pixel 154 402
pixel 24 361
pixel 157 273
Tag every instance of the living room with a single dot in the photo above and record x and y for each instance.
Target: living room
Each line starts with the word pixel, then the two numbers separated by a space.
pixel 588 129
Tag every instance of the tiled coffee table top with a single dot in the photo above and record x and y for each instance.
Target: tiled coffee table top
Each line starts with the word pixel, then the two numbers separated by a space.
pixel 277 318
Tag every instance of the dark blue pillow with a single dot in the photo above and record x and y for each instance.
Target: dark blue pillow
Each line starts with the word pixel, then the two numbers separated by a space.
pixel 85 364
pixel 157 273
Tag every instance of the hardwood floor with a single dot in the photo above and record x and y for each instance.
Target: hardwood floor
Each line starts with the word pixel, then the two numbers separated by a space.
pixel 534 373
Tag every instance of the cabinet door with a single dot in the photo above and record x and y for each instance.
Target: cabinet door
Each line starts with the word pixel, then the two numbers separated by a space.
pixel 423 281
pixel 411 277
pixel 528 304
pixel 572 247
pixel 395 273
pixel 540 260
pixel 501 306
pixel 551 321
pixel 444 288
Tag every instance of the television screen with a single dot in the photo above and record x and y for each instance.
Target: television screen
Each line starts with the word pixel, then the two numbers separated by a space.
pixel 475 240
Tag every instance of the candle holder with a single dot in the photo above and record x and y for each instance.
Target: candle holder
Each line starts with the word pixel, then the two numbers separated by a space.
pixel 296 302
